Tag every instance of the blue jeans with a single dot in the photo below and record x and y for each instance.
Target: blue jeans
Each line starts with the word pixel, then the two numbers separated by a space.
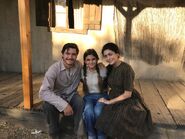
pixel 92 110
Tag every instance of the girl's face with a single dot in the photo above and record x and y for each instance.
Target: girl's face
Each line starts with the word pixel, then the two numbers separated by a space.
pixel 110 56
pixel 91 62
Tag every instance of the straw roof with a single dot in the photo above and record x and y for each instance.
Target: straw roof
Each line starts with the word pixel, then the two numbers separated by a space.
pixel 154 3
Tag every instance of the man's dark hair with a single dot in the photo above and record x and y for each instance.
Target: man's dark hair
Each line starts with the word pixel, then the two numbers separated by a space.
pixel 70 45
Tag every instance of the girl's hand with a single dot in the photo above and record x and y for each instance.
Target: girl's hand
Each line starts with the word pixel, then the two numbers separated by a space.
pixel 103 100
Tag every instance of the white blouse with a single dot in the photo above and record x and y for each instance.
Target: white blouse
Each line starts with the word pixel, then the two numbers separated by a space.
pixel 92 79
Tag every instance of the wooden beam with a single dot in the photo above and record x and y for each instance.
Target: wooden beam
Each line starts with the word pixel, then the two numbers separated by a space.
pixel 25 39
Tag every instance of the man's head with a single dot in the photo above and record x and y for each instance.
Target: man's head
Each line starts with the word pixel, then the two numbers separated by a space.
pixel 69 54
pixel 68 46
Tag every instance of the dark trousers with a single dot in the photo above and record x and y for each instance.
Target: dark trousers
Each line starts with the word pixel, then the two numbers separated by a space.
pixel 52 114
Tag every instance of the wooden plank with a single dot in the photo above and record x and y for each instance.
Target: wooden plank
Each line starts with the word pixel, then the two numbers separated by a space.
pixel 86 15
pixel 183 83
pixel 11 86
pixel 19 99
pixel 13 96
pixel 173 102
pixel 5 94
pixel 137 86
pixel 10 83
pixel 6 76
pixel 25 39
pixel 160 114
pixel 178 88
pixel 176 134
pixel 80 89
pixel 92 16
pixel 15 100
pixel 98 17
pixel 37 103
pixel 159 133
pixel 37 81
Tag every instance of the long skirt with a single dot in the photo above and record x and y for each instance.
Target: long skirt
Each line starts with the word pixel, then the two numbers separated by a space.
pixel 128 119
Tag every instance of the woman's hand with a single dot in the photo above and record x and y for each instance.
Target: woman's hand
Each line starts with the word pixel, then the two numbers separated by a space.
pixel 103 100
pixel 125 95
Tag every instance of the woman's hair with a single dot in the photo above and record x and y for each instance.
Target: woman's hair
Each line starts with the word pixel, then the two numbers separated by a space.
pixel 110 46
pixel 87 53
pixel 113 47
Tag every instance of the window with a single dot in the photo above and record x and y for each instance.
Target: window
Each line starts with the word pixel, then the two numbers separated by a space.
pixel 69 16
pixel 75 16
pixel 42 10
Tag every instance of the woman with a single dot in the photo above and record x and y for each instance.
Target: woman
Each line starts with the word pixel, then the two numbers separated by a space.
pixel 93 75
pixel 125 116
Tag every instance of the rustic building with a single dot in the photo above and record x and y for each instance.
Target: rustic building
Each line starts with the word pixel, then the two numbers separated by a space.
pixel 150 34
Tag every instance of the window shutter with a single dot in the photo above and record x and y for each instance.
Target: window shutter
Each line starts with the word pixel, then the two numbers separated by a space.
pixel 41 7
pixel 92 14
pixel 86 16
pixel 51 18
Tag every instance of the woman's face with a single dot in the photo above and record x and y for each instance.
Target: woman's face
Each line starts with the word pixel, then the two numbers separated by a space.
pixel 91 62
pixel 110 56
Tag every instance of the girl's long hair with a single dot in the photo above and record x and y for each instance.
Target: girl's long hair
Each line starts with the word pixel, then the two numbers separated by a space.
pixel 87 53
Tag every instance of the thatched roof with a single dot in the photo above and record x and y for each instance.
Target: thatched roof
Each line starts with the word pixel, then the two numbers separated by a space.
pixel 155 3
pixel 161 2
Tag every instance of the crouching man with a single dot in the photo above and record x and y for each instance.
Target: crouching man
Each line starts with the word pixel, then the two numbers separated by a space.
pixel 59 90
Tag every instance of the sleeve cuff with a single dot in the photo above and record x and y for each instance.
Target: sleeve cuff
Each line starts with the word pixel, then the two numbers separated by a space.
pixel 62 106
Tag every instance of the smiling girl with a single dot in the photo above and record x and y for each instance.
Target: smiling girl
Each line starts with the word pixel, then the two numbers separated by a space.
pixel 93 76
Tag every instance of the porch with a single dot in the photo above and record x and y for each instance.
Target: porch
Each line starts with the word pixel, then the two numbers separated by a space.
pixel 166 99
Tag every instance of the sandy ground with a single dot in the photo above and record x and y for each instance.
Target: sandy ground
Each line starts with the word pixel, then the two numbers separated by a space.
pixel 10 131
pixel 20 124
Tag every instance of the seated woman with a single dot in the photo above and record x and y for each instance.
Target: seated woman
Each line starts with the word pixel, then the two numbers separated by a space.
pixel 93 75
pixel 125 116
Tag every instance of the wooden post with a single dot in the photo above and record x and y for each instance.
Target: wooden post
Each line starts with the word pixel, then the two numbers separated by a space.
pixel 24 24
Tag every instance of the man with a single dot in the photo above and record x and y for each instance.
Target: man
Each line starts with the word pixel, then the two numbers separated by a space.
pixel 59 90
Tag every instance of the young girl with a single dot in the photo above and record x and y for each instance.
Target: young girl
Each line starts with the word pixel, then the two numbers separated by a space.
pixel 93 76
pixel 125 116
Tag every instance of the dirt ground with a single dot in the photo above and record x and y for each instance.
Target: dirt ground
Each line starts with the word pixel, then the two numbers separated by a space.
pixel 20 124
pixel 13 128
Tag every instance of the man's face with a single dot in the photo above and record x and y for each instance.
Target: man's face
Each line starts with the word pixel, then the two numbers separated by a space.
pixel 69 57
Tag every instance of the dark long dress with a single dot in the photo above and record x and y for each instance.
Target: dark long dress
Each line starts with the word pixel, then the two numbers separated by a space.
pixel 130 118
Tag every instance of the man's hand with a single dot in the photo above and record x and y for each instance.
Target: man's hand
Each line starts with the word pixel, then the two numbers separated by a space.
pixel 68 110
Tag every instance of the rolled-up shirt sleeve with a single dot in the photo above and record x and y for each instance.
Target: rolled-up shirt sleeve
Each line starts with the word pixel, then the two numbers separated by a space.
pixel 46 92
